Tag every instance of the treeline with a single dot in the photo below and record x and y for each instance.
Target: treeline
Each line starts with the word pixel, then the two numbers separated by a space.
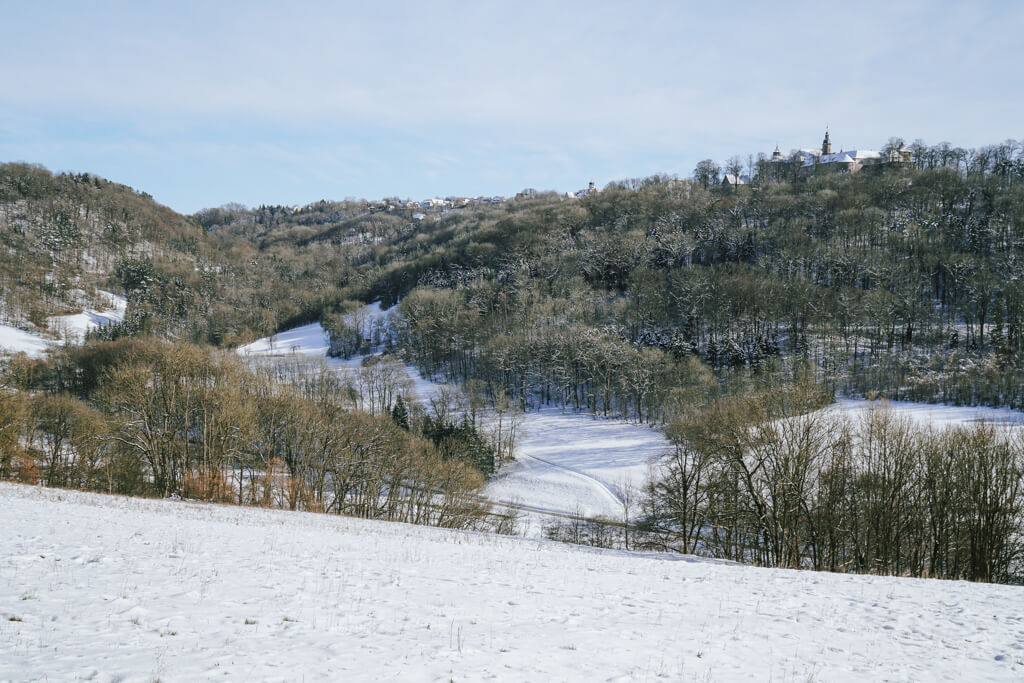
pixel 766 478
pixel 898 280
pixel 903 280
pixel 145 417
pixel 567 364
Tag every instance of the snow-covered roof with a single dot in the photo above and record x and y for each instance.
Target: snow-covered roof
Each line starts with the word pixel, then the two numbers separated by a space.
pixel 852 156
pixel 860 154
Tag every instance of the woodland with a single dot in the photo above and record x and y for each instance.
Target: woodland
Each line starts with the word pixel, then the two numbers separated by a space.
pixel 726 316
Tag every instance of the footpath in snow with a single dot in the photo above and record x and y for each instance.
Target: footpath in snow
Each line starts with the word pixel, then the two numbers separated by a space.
pixel 104 588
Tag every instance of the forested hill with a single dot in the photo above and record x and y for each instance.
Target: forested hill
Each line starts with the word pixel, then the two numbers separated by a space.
pixel 66 236
pixel 904 280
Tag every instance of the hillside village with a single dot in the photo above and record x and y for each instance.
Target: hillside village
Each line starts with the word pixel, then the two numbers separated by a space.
pixel 798 164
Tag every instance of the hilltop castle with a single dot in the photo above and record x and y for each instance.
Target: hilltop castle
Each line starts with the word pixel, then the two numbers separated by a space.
pixel 825 161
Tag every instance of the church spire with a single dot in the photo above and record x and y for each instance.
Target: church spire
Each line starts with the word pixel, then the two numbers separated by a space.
pixel 826 144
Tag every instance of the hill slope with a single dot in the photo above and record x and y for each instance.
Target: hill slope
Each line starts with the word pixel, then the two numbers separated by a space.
pixel 124 589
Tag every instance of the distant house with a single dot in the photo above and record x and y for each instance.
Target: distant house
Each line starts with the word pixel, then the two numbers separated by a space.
pixel 733 180
pixel 591 189
pixel 419 216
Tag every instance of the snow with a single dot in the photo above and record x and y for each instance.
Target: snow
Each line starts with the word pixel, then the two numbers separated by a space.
pixel 71 328
pixel 308 340
pixel 13 340
pixel 74 327
pixel 312 342
pixel 569 463
pixel 105 588
pixel 935 415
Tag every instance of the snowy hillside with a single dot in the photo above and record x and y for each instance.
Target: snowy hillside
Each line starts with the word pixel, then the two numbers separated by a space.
pixel 71 328
pixel 74 327
pixel 104 588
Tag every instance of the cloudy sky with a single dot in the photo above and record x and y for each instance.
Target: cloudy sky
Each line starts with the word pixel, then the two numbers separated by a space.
pixel 203 103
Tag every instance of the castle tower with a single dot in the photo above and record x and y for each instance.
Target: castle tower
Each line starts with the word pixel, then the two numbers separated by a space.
pixel 776 155
pixel 826 144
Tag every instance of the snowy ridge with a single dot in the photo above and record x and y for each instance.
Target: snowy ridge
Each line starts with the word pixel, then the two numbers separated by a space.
pixel 105 588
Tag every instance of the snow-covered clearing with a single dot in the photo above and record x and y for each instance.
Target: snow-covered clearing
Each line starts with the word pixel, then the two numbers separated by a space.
pixel 74 327
pixel 13 340
pixel 311 342
pixel 70 328
pixel 568 462
pixel 935 415
pixel 111 589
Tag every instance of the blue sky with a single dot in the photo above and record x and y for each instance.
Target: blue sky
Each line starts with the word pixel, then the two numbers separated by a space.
pixel 203 103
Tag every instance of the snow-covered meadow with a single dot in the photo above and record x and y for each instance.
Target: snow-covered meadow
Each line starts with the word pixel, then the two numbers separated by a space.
pixel 104 588
pixel 14 340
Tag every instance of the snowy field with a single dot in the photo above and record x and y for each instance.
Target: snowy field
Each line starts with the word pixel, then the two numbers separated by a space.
pixel 568 463
pixel 13 340
pixel 112 589
pixel 311 342
pixel 936 415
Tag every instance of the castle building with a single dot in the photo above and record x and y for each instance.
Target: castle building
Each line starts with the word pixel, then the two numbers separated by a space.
pixel 813 161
